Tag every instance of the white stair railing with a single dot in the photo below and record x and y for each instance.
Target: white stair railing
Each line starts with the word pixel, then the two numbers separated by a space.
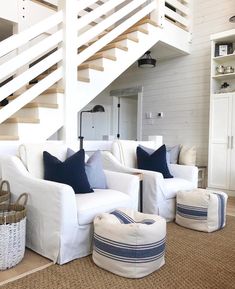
pixel 102 22
pixel 29 55
pixel 178 13
pixel 127 15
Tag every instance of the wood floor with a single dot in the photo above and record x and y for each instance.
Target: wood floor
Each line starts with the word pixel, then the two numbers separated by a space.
pixel 33 261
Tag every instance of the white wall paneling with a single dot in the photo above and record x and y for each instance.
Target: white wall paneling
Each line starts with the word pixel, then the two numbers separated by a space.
pixel 180 87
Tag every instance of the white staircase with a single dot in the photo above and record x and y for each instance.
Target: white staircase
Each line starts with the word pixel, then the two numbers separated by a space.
pixel 68 71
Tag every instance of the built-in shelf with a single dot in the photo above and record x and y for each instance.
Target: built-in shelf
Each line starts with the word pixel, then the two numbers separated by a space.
pixel 223 94
pixel 224 58
pixel 224 76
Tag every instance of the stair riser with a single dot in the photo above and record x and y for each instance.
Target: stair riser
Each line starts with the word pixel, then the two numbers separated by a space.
pixel 84 72
pixel 8 129
pixel 48 98
pixel 27 112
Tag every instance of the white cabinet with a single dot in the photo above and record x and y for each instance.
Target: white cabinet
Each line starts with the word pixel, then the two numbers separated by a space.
pixel 220 144
pixel 221 163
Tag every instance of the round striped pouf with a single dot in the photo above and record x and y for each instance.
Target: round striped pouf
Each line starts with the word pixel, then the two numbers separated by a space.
pixel 129 243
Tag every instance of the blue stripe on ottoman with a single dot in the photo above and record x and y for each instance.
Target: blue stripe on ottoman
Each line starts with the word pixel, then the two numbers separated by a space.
pixel 129 253
pixel 125 219
pixel 192 212
pixel 122 217
pixel 221 207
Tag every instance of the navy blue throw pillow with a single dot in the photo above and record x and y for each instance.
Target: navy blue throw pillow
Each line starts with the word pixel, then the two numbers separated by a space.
pixel 70 172
pixel 153 162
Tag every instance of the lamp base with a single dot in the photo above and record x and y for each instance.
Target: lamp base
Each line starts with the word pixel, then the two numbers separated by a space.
pixel 81 138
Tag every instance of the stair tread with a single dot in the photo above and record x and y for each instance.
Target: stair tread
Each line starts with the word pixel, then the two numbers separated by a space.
pixel 48 91
pixel 102 55
pixel 146 20
pixel 114 45
pixel 137 29
pixel 90 66
pixel 22 120
pixel 9 137
pixel 41 104
pixel 124 37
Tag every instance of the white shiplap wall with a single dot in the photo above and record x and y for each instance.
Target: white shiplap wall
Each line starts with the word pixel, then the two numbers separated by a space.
pixel 179 87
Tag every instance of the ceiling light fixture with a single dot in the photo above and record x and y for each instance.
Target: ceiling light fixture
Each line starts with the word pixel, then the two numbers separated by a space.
pixel 146 60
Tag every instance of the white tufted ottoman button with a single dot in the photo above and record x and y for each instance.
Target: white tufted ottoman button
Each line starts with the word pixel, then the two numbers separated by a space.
pixel 129 243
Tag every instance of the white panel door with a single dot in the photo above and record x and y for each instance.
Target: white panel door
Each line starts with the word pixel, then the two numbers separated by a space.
pixel 220 137
pixel 232 149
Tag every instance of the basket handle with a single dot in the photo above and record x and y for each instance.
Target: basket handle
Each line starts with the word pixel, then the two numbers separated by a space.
pixel 25 196
pixel 7 185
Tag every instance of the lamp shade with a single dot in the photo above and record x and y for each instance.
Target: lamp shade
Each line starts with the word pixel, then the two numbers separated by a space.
pixel 146 60
pixel 232 19
pixel 98 108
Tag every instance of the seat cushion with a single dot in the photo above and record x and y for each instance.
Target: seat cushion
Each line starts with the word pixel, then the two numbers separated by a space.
pixel 172 186
pixel 89 205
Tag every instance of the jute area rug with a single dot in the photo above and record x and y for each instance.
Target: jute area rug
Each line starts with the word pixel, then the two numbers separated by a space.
pixel 194 260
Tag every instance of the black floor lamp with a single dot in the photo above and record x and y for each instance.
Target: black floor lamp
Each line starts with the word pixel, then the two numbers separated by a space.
pixel 96 108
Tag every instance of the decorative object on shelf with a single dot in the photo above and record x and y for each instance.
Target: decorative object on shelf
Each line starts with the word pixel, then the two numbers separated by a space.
pixel 222 49
pixel 220 69
pixel 146 60
pixel 225 87
pixel 229 69
pixel 96 108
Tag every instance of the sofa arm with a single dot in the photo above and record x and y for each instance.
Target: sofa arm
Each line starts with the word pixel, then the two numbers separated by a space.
pixel 126 183
pixel 189 173
pixel 51 207
pixel 153 182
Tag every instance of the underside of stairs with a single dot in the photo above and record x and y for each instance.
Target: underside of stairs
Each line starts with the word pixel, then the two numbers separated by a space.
pixel 36 110
pixel 94 75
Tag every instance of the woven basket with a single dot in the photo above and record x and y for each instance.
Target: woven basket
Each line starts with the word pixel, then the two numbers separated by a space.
pixel 4 195
pixel 12 232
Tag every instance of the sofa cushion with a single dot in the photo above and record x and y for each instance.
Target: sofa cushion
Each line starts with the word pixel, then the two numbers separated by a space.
pixel 90 205
pixel 94 170
pixel 172 186
pixel 173 151
pixel 31 155
pixel 153 162
pixel 70 172
pixel 125 151
pixel 187 156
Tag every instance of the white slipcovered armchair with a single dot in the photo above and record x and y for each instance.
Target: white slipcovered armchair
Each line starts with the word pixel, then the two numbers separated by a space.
pixel 60 222
pixel 158 193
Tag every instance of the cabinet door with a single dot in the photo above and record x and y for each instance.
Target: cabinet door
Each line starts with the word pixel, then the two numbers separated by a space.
pixel 220 132
pixel 232 148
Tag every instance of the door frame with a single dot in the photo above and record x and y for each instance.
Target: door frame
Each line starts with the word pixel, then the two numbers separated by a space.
pixel 131 91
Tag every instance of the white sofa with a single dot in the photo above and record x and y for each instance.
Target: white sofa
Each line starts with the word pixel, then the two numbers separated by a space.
pixel 60 222
pixel 158 193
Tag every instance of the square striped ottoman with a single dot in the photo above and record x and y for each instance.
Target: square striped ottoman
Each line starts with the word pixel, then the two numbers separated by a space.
pixel 202 210
pixel 129 243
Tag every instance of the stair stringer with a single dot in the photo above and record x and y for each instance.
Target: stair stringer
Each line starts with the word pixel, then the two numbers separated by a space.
pixel 112 69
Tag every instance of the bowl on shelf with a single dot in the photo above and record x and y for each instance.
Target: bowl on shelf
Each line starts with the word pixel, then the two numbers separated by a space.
pixel 220 69
pixel 229 69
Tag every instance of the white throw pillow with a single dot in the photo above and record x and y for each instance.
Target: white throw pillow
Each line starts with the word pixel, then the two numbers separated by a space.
pixel 187 156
